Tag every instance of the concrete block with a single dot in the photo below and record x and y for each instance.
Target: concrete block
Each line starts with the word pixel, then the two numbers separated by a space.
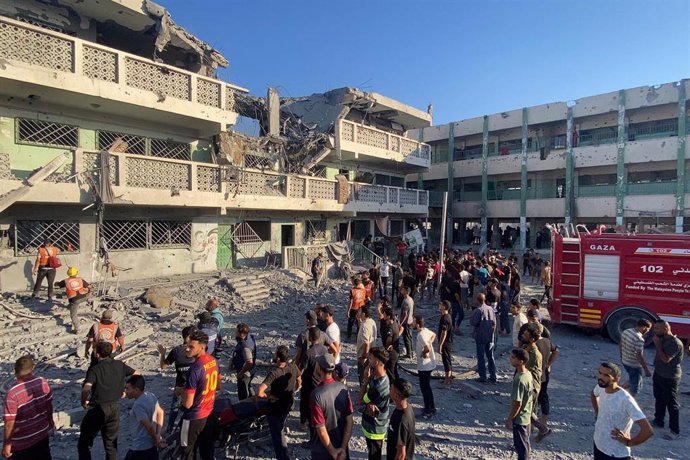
pixel 64 419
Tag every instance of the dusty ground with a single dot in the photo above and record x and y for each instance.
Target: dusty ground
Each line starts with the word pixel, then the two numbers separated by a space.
pixel 464 428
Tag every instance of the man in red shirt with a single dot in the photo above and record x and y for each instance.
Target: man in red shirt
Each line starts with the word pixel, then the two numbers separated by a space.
pixel 28 415
pixel 358 297
pixel 198 398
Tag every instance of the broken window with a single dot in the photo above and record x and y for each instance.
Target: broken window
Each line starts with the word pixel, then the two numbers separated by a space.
pixel 37 132
pixel 140 145
pixel 128 143
pixel 29 235
pixel 315 231
pixel 142 234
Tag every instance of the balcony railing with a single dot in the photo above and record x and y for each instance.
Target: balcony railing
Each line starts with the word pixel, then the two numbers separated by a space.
pixel 372 137
pixel 596 190
pixel 144 172
pixel 59 52
pixel 652 188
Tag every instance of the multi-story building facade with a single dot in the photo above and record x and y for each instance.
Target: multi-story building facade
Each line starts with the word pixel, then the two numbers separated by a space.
pixel 617 159
pixel 117 138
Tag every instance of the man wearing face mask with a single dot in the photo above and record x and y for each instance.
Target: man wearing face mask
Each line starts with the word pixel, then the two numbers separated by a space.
pixel 616 412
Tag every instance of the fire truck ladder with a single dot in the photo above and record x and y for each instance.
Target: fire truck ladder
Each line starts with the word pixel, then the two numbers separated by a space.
pixel 570 281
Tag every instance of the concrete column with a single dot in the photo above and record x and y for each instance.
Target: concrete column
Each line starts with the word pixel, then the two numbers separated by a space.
pixel 680 162
pixel 620 159
pixel 420 176
pixel 569 167
pixel 523 181
pixel 485 178
pixel 451 176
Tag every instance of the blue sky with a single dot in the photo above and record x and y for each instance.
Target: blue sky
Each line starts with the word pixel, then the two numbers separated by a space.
pixel 467 58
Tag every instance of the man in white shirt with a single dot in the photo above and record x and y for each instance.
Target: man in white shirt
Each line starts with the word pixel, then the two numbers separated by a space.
pixel 616 411
pixel 464 287
pixel 385 274
pixel 426 363
pixel 332 332
pixel 520 319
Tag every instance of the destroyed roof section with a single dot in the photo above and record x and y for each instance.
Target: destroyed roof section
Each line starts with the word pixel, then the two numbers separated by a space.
pixel 139 27
pixel 325 109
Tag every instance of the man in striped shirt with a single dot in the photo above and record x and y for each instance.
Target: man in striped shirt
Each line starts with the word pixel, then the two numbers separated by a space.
pixel 28 415
pixel 631 348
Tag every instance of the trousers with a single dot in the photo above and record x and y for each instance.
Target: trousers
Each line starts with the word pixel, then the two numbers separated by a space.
pixel 103 418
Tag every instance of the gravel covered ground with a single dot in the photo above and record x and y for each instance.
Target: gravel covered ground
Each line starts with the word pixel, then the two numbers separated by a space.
pixel 467 426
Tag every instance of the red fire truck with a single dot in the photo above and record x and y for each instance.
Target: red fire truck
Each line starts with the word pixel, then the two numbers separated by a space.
pixel 608 281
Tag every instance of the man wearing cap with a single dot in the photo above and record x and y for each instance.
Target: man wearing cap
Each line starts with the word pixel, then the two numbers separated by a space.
pixel 331 414
pixel 105 330
pixel 77 290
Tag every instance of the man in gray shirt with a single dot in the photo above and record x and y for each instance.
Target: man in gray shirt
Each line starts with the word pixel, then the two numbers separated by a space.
pixel 148 416
pixel 406 319
pixel 483 320
pixel 666 378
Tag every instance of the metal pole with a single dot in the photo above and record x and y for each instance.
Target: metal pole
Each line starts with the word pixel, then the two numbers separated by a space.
pixel 443 236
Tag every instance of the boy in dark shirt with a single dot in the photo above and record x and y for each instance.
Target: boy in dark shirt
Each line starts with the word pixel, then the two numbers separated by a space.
pixel 445 342
pixel 401 431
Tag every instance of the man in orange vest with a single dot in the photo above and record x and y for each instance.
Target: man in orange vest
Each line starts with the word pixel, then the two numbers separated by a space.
pixel 77 292
pixel 104 330
pixel 358 297
pixel 42 268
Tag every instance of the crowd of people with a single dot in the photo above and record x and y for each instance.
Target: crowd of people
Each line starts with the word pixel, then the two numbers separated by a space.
pixel 487 289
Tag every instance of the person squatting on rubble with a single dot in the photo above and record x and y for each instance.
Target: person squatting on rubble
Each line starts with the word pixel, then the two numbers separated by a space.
pixel 77 291
pixel 28 414
pixel 318 267
pixel 104 330
pixel 100 395
pixel 243 361
pixel 615 411
pixel 281 383
pixel 45 268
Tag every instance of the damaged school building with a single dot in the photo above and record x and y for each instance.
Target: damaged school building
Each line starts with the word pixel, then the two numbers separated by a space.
pixel 118 142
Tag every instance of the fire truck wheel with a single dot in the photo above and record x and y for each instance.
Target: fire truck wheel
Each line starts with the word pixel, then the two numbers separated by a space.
pixel 623 319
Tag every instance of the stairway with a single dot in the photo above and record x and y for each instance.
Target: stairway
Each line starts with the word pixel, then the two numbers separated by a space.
pixel 253 288
pixel 570 281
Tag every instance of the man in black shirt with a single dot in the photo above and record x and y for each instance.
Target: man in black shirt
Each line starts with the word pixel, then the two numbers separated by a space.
pixel 282 382
pixel 310 379
pixel 390 336
pixel 178 357
pixel 105 382
pixel 445 342
pixel 302 342
pixel 401 430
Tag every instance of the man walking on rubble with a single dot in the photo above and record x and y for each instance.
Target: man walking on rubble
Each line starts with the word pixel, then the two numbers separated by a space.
pixel 358 298
pixel 100 394
pixel 317 269
pixel 213 307
pixel 105 330
pixel 77 291
pixel 45 267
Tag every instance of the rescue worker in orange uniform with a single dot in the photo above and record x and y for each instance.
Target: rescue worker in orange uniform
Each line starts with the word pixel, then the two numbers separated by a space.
pixel 358 297
pixel 105 330
pixel 77 292
pixel 42 268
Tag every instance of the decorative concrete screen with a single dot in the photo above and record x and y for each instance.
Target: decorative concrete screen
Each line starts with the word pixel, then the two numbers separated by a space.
pixel 99 64
pixel 23 44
